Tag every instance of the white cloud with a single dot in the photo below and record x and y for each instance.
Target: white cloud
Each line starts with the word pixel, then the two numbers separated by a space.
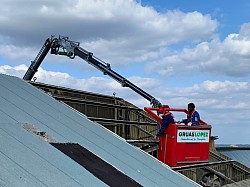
pixel 121 31
pixel 209 94
pixel 228 57
pixel 225 87
pixel 93 84
pixel 238 44
pixel 13 52
pixel 18 71
pixel 220 103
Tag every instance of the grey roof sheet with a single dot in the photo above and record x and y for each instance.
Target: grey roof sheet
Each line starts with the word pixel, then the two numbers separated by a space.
pixel 240 155
pixel 29 161
pixel 244 183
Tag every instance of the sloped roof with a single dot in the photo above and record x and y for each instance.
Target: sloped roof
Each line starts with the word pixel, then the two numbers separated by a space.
pixel 244 183
pixel 240 154
pixel 27 159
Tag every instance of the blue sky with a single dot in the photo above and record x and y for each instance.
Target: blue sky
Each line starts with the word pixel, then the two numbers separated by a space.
pixel 178 51
pixel 230 13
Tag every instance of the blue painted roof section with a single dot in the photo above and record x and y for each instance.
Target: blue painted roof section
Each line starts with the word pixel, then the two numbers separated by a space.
pixel 26 160
pixel 240 155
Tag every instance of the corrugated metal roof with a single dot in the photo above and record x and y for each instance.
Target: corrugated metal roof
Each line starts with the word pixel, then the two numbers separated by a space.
pixel 244 183
pixel 27 160
pixel 241 155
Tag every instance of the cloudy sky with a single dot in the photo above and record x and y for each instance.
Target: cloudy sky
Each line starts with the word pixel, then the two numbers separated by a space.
pixel 178 51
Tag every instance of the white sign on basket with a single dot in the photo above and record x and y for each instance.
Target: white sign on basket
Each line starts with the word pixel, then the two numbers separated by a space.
pixel 193 135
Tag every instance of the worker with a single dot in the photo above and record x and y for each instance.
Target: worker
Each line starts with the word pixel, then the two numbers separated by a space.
pixel 193 117
pixel 167 118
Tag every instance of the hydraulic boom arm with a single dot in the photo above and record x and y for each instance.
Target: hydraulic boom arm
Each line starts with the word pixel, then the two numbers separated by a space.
pixel 63 46
pixel 38 60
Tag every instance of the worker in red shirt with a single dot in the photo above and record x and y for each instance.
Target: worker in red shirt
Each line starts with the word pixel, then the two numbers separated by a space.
pixel 193 117
pixel 167 118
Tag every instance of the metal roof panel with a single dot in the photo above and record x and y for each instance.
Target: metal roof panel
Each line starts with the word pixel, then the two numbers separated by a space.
pixel 240 155
pixel 33 110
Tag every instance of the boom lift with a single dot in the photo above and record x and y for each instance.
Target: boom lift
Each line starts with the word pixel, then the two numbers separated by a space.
pixel 63 46
pixel 180 144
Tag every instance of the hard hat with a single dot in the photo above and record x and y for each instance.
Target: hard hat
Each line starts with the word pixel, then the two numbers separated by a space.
pixel 165 106
pixel 161 110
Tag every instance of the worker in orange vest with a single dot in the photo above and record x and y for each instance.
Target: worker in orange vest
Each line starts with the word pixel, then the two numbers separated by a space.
pixel 193 117
pixel 167 118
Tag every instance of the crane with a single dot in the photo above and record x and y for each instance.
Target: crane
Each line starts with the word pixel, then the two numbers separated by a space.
pixel 63 46
pixel 178 138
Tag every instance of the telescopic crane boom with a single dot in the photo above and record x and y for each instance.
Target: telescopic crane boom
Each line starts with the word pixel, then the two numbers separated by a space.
pixel 63 46
pixel 38 60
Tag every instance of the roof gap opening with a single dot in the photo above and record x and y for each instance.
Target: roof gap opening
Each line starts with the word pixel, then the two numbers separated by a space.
pixel 95 165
